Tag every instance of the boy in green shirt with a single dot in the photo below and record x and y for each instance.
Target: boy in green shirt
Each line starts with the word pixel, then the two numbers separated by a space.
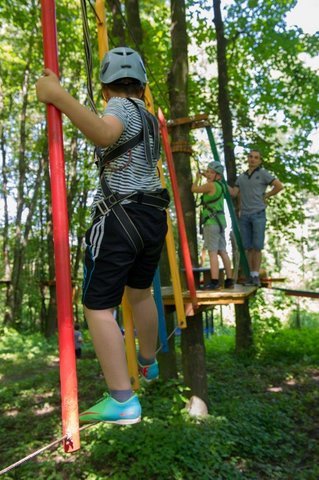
pixel 214 223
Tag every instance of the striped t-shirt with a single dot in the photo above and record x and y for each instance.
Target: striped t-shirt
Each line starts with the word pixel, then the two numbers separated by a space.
pixel 131 171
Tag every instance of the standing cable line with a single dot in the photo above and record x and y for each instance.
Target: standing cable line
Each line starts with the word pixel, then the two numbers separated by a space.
pixel 70 415
pixel 88 55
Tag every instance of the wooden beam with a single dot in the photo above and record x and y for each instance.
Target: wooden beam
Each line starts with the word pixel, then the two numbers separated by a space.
pixel 196 121
pixel 297 293
pixel 207 298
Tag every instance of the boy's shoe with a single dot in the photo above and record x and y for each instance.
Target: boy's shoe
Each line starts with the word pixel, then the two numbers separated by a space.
pixel 249 282
pixel 149 372
pixel 212 286
pixel 229 283
pixel 110 410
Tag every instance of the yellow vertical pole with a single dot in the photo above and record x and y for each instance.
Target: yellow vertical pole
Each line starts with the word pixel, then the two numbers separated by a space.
pixel 102 38
pixel 126 310
pixel 130 343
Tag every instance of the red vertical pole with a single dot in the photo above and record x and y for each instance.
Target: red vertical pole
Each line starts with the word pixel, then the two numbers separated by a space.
pixel 70 417
pixel 179 210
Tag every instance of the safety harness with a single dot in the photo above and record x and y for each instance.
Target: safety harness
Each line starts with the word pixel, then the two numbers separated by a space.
pixel 112 200
pixel 212 212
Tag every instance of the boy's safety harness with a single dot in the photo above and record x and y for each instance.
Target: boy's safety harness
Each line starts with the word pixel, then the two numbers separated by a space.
pixel 112 200
pixel 212 212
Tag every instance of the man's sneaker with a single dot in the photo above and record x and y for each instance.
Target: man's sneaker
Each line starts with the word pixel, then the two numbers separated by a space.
pixel 249 282
pixel 110 410
pixel 256 281
pixel 229 283
pixel 149 372
pixel 211 286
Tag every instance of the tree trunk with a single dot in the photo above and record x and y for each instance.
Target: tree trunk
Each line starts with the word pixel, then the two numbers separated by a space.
pixel 117 34
pixel 244 335
pixel 134 23
pixel 193 349
pixel 223 97
pixel 5 245
pixel 193 358
pixel 244 338
pixel 16 290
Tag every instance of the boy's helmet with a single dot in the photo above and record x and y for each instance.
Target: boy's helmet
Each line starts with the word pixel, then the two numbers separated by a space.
pixel 217 167
pixel 122 62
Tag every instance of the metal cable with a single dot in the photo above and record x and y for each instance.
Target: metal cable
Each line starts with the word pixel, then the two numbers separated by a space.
pixel 40 450
pixel 65 437
pixel 161 346
pixel 88 55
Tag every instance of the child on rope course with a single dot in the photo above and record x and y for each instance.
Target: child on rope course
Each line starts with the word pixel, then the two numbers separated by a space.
pixel 214 223
pixel 125 240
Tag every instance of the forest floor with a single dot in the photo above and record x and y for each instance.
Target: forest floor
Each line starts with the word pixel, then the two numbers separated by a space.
pixel 263 421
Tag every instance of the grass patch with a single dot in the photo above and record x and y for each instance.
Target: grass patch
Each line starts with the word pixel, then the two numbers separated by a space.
pixel 263 422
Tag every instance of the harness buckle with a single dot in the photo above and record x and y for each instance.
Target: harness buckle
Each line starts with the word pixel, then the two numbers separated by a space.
pixel 103 207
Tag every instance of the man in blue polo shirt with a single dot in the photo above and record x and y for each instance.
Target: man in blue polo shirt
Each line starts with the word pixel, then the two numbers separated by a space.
pixel 252 186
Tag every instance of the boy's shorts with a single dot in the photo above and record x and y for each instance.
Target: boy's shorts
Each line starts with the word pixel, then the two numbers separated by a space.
pixel 252 229
pixel 111 261
pixel 214 239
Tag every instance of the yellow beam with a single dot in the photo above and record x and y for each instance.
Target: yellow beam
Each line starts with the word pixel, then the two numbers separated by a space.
pixel 102 38
pixel 129 338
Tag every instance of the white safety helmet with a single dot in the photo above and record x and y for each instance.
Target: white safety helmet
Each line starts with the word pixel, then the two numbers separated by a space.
pixel 216 167
pixel 122 62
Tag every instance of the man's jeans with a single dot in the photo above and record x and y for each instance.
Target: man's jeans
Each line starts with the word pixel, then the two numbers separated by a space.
pixel 252 229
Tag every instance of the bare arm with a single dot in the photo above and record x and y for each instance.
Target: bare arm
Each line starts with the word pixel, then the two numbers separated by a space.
pixel 233 191
pixel 277 186
pixel 208 187
pixel 101 131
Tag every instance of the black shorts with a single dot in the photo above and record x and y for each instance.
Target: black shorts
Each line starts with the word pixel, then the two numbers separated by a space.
pixel 111 262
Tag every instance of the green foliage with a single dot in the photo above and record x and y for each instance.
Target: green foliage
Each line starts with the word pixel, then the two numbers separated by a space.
pixel 272 102
pixel 261 422
pixel 265 315
pixel 305 318
pixel 292 345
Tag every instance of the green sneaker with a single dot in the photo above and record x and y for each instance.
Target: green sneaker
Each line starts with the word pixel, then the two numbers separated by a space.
pixel 110 410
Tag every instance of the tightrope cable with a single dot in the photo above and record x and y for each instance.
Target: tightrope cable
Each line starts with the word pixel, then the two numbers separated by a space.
pixel 65 437
pixel 41 450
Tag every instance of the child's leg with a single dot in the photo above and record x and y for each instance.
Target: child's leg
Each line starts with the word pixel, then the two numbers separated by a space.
pixel 122 406
pixel 214 267
pixel 226 262
pixel 109 347
pixel 145 319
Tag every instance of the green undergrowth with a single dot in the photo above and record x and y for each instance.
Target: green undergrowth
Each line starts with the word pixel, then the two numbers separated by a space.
pixel 263 418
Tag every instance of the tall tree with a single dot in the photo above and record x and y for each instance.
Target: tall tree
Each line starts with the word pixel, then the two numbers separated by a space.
pixel 223 95
pixel 244 337
pixel 193 347
pixel 117 34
